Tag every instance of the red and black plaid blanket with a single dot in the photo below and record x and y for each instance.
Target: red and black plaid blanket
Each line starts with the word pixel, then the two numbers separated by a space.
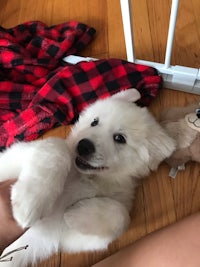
pixel 38 91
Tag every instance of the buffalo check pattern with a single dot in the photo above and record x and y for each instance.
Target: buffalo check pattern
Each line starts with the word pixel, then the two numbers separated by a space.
pixel 39 91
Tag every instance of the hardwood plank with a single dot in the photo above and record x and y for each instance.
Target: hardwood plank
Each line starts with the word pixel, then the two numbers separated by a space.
pixel 158 197
pixel 116 44
pixel 149 22
pixel 186 51
pixel 142 31
pixel 53 261
pixel 59 131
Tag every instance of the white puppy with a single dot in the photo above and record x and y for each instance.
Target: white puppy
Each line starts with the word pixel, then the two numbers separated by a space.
pixel 76 194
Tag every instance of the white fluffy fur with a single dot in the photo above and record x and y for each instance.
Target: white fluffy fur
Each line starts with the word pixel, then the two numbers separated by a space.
pixel 73 209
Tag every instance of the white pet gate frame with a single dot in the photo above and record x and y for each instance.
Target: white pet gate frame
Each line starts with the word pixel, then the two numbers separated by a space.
pixel 175 77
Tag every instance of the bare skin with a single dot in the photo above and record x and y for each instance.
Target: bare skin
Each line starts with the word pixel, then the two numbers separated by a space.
pixel 9 229
pixel 177 245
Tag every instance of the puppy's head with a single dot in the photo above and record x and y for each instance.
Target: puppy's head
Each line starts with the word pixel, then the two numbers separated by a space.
pixel 116 137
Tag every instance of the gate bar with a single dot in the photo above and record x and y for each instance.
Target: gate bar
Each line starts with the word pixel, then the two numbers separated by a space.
pixel 170 38
pixel 127 25
pixel 175 77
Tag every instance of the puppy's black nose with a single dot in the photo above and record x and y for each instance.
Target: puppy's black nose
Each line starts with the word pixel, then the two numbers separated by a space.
pixel 85 147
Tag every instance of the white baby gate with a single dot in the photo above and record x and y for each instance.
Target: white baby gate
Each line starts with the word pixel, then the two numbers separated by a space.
pixel 175 77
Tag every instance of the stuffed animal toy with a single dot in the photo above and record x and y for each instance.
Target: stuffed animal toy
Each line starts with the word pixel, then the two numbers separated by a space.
pixel 183 124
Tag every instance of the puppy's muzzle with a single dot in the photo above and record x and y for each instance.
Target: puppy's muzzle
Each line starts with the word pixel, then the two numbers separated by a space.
pixel 85 147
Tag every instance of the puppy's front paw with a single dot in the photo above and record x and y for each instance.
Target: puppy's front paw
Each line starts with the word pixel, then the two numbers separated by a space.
pixel 26 205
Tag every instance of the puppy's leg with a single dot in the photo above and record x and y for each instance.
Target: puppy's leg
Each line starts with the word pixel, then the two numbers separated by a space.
pixel 94 223
pixel 41 180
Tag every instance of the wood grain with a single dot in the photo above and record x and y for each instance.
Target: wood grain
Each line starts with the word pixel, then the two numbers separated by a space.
pixel 160 200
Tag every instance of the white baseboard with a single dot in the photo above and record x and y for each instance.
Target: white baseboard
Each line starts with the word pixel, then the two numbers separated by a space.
pixel 177 77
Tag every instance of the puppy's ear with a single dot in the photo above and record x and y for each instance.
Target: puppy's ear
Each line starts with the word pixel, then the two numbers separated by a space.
pixel 129 95
pixel 161 146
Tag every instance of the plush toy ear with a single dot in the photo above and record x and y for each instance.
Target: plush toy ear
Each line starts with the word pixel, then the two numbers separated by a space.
pixel 129 95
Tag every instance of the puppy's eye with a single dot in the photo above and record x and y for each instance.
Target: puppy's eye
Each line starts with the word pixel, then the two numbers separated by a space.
pixel 95 122
pixel 119 138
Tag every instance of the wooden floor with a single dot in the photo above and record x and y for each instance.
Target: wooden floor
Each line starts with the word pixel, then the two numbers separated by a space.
pixel 160 200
